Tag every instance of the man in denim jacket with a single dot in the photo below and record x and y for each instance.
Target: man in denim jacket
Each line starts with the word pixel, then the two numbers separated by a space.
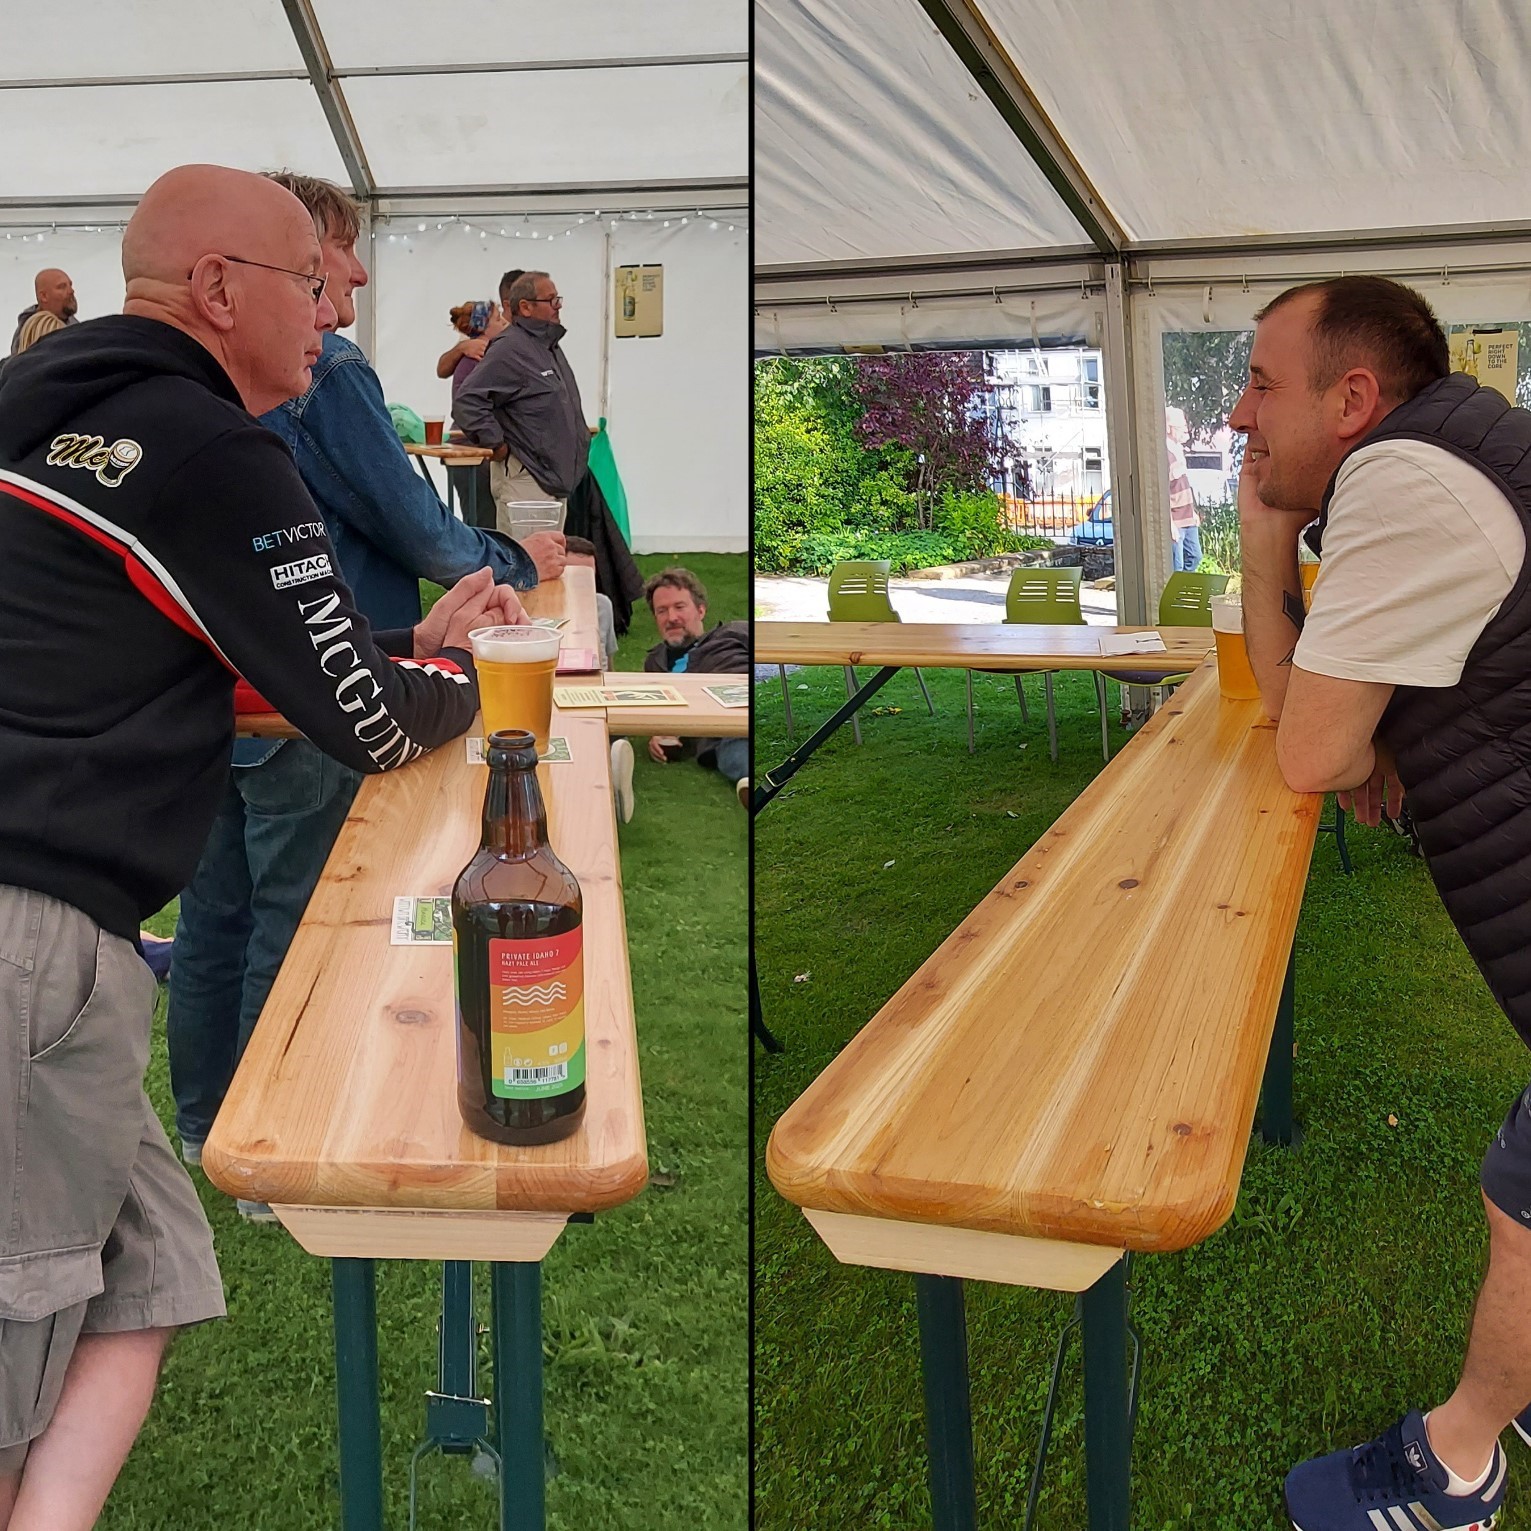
pixel 285 802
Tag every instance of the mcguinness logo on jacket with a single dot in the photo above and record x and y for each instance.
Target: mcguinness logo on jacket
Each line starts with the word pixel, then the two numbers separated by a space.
pixel 356 687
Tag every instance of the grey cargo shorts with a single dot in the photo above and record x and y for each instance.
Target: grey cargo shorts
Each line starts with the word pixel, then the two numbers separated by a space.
pixel 100 1226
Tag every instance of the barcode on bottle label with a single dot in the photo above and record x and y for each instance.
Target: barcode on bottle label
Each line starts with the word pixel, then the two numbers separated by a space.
pixel 554 1073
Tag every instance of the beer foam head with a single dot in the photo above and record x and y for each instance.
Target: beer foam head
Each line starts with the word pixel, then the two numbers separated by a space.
pixel 1227 614
pixel 514 645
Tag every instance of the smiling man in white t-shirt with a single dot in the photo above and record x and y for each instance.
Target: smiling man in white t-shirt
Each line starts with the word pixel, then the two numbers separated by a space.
pixel 1406 672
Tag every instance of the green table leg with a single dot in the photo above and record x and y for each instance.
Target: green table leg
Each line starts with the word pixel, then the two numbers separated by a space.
pixel 1276 1120
pixel 948 1415
pixel 1107 1413
pixel 361 1450
pixel 517 1295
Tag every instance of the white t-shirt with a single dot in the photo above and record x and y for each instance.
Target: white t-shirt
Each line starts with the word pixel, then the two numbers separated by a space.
pixel 1420 550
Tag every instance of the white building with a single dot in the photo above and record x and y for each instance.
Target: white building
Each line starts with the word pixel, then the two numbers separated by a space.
pixel 1048 405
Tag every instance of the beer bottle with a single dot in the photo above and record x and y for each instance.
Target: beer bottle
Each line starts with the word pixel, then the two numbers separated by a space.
pixel 517 941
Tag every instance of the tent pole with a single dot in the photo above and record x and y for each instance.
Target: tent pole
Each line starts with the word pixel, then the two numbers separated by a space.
pixel 366 299
pixel 607 239
pixel 1130 488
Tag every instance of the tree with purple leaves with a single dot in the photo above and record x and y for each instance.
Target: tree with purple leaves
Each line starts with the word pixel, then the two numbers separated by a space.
pixel 928 402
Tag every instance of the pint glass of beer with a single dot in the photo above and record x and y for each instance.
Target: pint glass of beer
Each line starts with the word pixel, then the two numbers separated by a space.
pixel 515 679
pixel 1234 677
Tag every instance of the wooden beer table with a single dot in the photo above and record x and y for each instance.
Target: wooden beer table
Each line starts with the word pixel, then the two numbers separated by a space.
pixel 1015 1116
pixel 701 718
pixel 343 1113
pixel 450 454
pixel 1003 646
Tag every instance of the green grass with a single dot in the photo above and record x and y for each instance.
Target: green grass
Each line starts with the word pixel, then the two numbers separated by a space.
pixel 1337 1297
pixel 644 1311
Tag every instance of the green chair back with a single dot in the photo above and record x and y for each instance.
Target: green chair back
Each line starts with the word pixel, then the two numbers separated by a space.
pixel 1187 599
pixel 858 592
pixel 1045 596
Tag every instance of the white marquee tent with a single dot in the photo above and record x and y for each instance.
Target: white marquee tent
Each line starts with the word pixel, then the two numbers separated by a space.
pixel 1018 172
pixel 480 135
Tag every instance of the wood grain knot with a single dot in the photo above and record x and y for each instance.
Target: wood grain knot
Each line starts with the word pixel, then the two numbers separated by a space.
pixel 1128 882
pixel 1181 1129
pixel 412 1017
pixel 1023 883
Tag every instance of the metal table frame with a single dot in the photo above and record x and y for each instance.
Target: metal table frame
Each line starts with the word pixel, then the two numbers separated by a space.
pixel 457 1418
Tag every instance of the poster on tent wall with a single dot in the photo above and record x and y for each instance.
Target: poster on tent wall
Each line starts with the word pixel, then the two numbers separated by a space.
pixel 1491 356
pixel 639 307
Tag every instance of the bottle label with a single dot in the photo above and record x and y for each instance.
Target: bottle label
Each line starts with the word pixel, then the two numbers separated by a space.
pixel 537 1016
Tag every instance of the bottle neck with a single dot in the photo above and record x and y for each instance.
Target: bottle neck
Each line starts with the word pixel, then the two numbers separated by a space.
pixel 515 818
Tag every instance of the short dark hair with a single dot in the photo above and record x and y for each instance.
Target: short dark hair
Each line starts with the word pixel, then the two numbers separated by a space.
pixel 677 578
pixel 1375 322
pixel 336 213
pixel 522 290
pixel 509 280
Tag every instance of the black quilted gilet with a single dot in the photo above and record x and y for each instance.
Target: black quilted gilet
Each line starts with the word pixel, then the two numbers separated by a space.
pixel 1464 751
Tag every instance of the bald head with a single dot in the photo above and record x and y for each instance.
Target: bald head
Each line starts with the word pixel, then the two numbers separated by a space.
pixel 55 292
pixel 198 210
pixel 231 258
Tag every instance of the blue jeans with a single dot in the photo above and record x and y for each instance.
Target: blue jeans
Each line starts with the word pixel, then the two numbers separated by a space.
pixel 261 862
pixel 733 758
pixel 1186 553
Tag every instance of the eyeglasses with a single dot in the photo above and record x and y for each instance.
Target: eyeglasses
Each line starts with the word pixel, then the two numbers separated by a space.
pixel 317 283
pixel 553 299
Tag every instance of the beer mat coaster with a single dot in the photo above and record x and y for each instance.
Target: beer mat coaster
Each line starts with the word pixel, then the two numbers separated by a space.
pixel 618 696
pixel 578 662
pixel 421 921
pixel 729 696
pixel 1131 643
pixel 551 623
pixel 557 752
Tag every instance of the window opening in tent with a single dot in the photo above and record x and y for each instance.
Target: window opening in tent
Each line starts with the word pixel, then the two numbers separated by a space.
pixel 1204 373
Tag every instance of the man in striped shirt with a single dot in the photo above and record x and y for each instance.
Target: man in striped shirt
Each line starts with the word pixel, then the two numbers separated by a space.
pixel 55 307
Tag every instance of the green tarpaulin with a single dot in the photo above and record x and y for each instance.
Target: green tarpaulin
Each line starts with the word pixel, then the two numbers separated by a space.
pixel 604 466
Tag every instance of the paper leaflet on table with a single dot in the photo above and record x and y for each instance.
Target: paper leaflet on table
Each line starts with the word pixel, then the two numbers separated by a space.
pixel 736 694
pixel 618 696
pixel 1132 643
pixel 557 751
pixel 421 921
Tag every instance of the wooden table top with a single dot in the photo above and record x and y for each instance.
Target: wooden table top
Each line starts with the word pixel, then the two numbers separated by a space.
pixel 347 1094
pixel 450 451
pixel 972 646
pixel 703 718
pixel 1081 1059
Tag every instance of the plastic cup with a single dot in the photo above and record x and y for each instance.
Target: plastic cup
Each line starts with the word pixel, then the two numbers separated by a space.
pixel 515 679
pixel 1307 573
pixel 433 429
pixel 528 517
pixel 1235 679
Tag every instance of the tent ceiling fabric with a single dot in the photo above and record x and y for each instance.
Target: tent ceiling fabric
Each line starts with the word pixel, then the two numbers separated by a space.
pixel 368 33
pixel 607 126
pixel 570 122
pixel 90 39
pixel 1196 121
pixel 871 142
pixel 250 124
pixel 1200 120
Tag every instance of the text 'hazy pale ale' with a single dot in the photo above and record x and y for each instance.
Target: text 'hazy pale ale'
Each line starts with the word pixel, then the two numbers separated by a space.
pixel 518 944
pixel 515 678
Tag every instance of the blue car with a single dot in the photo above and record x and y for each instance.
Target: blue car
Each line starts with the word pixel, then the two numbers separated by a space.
pixel 1095 529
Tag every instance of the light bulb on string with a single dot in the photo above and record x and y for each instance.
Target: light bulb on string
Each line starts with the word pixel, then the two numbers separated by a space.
pixel 421 228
